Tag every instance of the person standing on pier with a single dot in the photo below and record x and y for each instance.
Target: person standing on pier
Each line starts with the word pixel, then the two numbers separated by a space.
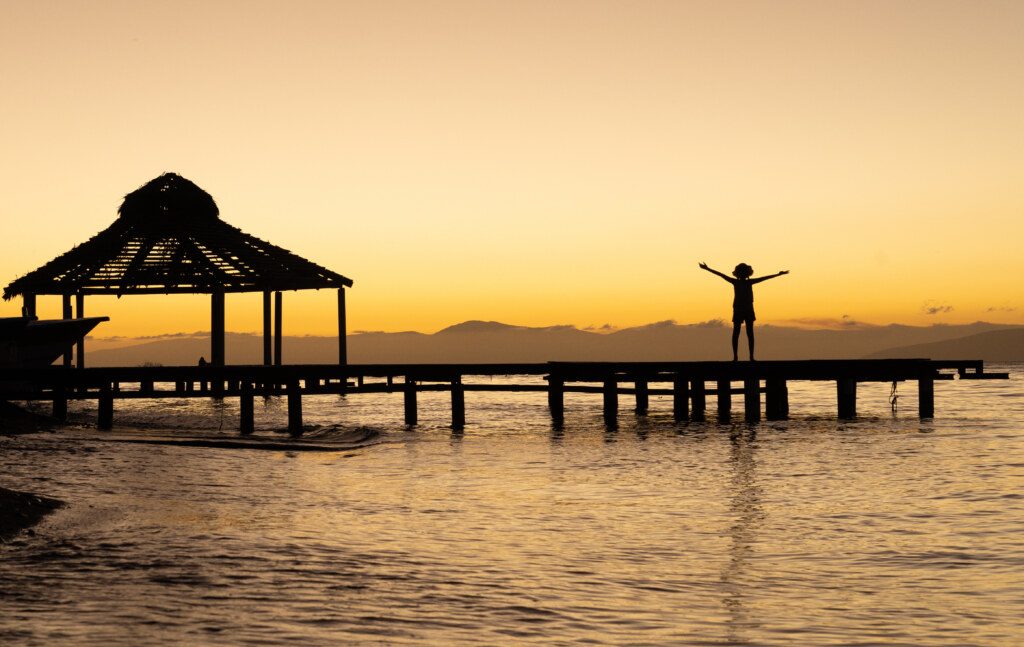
pixel 742 302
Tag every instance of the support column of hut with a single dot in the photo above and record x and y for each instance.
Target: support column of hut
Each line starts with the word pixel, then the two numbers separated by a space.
pixel 342 329
pixel 66 314
pixel 28 307
pixel 217 329
pixel 217 339
pixel 278 320
pixel 267 353
pixel 80 346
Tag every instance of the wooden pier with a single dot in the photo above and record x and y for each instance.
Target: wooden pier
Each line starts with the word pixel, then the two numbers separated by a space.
pixel 689 383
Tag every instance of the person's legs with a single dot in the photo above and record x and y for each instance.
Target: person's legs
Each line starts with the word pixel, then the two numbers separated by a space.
pixel 736 339
pixel 750 337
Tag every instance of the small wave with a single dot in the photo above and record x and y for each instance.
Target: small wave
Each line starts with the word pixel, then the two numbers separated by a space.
pixel 334 441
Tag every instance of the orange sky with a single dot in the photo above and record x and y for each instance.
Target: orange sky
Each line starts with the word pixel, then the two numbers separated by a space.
pixel 537 162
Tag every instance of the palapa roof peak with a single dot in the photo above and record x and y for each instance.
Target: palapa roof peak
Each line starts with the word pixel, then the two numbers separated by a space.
pixel 168 196
pixel 169 238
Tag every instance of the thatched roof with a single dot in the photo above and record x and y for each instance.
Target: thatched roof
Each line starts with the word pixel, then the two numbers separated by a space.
pixel 169 238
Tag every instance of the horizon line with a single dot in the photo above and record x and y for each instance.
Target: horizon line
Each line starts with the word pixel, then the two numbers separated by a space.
pixel 836 325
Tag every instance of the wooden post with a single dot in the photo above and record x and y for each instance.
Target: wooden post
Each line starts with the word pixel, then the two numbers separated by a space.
pixel 926 396
pixel 217 341
pixel 294 408
pixel 80 314
pixel 458 404
pixel 846 394
pixel 278 320
pixel 246 421
pixel 342 329
pixel 680 398
pixel 67 314
pixel 642 397
pixel 28 307
pixel 267 357
pixel 724 388
pixel 217 329
pixel 752 399
pixel 611 402
pixel 556 400
pixel 411 417
pixel 776 399
pixel 699 400
pixel 60 403
pixel 105 407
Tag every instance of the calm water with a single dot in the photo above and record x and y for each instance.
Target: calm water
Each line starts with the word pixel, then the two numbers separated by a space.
pixel 885 530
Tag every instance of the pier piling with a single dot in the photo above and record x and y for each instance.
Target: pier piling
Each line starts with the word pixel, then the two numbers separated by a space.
pixel 556 400
pixel 846 394
pixel 752 400
pixel 681 398
pixel 246 422
pixel 60 403
pixel 411 416
pixel 699 396
pixel 926 397
pixel 105 408
pixel 724 388
pixel 294 408
pixel 458 405
pixel 611 402
pixel 776 403
pixel 642 397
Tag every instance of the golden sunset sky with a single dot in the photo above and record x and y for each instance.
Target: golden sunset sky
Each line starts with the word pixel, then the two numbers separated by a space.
pixel 537 163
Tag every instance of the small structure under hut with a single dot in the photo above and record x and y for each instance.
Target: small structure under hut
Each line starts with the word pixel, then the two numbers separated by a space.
pixel 169 239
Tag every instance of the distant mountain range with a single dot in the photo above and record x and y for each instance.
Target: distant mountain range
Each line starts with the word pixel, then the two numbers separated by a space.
pixel 1005 345
pixel 490 341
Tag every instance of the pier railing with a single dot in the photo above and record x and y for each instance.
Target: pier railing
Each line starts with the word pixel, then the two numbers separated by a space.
pixel 689 383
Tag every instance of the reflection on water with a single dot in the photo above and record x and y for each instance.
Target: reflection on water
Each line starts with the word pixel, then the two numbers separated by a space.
pixel 747 515
pixel 811 531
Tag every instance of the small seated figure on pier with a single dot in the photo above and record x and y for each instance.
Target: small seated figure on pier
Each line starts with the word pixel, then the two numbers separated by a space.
pixel 202 364
pixel 743 302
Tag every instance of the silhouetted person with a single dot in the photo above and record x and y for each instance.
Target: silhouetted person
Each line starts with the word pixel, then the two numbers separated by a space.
pixel 202 364
pixel 742 302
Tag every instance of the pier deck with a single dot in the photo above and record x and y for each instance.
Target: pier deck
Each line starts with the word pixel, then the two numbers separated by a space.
pixel 689 383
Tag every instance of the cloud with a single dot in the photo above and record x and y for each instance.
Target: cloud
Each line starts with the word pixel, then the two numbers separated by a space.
pixel 1001 309
pixel 846 322
pixel 170 335
pixel 603 328
pixel 665 323
pixel 936 309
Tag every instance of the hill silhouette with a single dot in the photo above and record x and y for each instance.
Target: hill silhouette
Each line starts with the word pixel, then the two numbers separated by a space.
pixel 992 346
pixel 489 341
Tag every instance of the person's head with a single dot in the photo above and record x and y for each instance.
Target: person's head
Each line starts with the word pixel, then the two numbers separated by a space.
pixel 743 271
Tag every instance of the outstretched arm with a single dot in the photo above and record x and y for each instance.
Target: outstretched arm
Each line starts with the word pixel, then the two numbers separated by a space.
pixel 704 266
pixel 770 276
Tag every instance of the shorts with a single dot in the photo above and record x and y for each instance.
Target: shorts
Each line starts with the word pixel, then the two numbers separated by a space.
pixel 740 316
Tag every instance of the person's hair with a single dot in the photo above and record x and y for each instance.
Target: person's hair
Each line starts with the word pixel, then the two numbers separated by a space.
pixel 743 271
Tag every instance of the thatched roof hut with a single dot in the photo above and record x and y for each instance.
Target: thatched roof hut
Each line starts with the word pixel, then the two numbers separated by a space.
pixel 169 238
